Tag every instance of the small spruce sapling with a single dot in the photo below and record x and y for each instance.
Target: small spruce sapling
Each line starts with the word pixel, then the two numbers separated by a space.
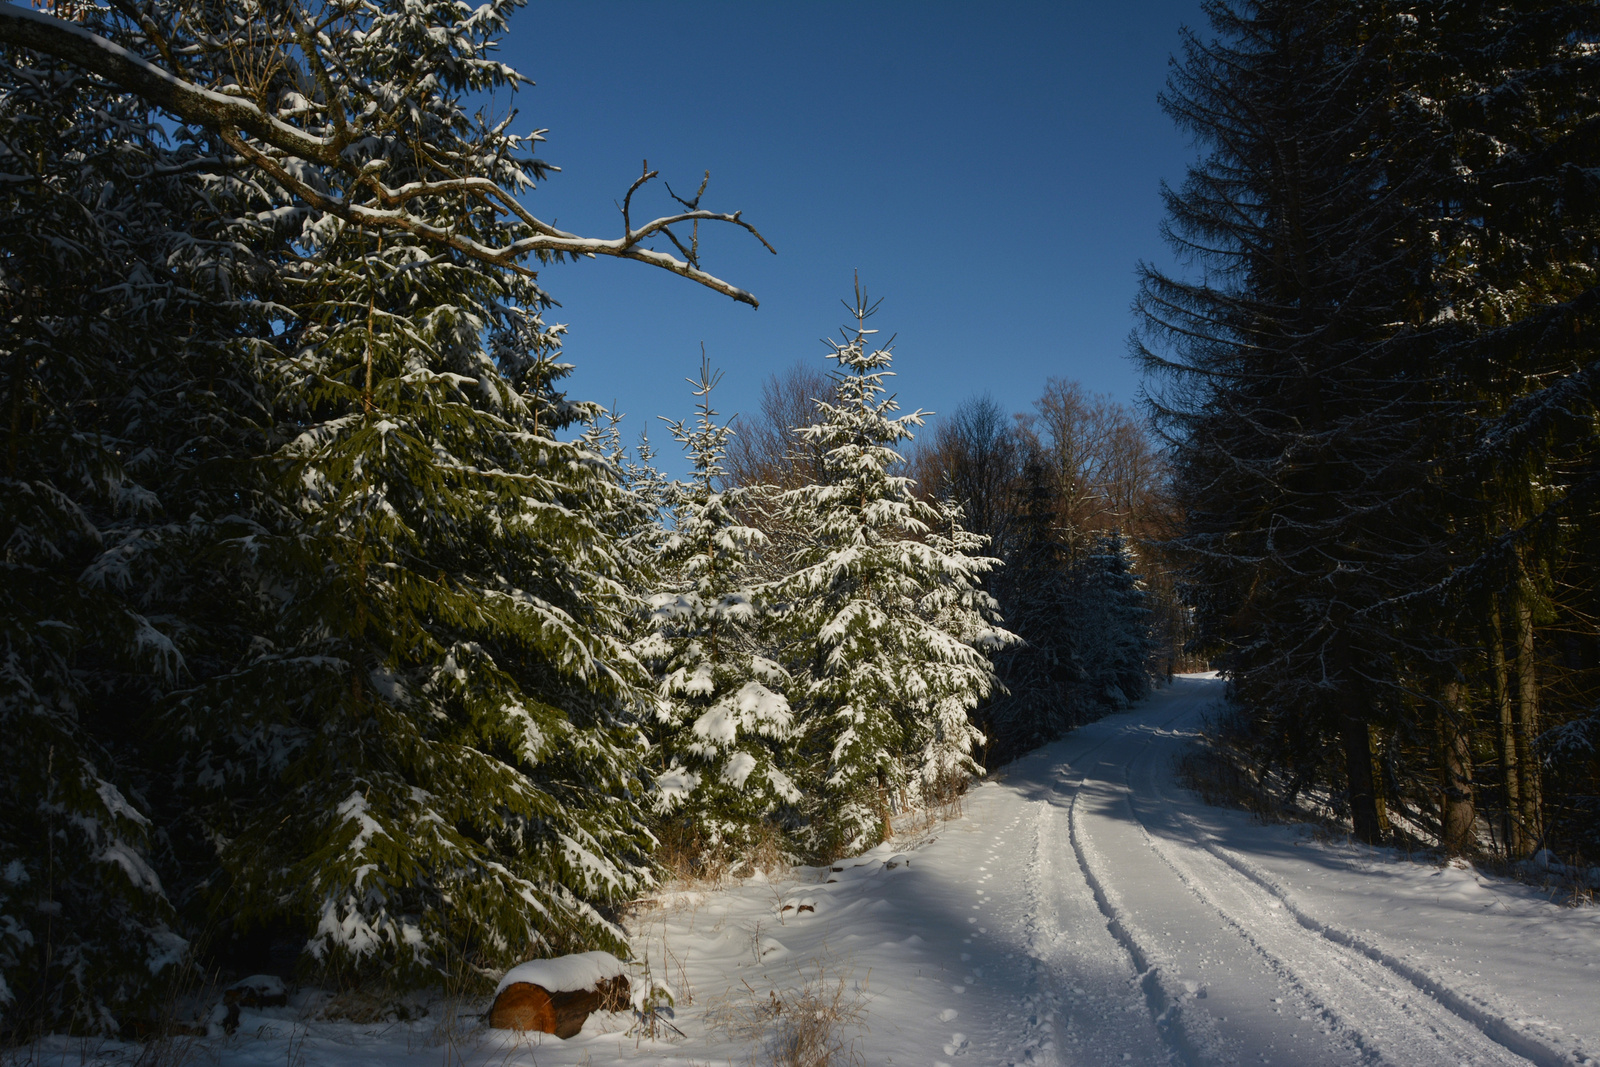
pixel 723 727
pixel 874 611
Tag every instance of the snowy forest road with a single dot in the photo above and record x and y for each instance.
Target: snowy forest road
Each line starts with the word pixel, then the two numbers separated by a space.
pixel 1085 909
pixel 1164 930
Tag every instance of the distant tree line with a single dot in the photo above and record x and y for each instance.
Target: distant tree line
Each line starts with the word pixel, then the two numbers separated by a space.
pixel 1070 497
pixel 1379 384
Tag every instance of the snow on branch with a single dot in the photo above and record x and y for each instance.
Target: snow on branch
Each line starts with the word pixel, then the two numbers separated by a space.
pixel 281 149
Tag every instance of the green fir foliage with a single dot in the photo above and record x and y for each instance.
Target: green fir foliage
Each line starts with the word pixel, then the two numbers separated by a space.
pixel 723 727
pixel 881 619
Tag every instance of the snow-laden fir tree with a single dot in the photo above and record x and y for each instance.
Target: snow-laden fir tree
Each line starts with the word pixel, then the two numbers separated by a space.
pixel 940 744
pixel 422 745
pixel 120 356
pixel 644 522
pixel 723 729
pixel 429 748
pixel 879 667
pixel 300 588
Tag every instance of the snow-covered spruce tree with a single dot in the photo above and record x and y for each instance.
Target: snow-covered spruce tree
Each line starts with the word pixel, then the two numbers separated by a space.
pixel 427 749
pixel 643 523
pixel 940 745
pixel 877 671
pixel 120 354
pixel 723 730
pixel 414 733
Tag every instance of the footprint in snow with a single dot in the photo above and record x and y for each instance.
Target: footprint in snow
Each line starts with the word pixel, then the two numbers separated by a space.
pixel 948 1014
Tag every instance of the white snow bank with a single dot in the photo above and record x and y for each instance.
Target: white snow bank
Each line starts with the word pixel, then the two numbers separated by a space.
pixel 565 974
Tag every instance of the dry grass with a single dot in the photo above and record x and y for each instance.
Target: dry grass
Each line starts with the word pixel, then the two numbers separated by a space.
pixel 941 802
pixel 1225 780
pixel 766 854
pixel 813 1024
pixel 688 861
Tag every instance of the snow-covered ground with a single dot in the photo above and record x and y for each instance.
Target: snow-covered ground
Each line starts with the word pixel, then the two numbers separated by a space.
pixel 1085 910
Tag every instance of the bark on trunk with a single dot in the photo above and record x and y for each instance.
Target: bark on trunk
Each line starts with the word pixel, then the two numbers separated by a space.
pixel 1528 727
pixel 1515 841
pixel 1456 811
pixel 1364 811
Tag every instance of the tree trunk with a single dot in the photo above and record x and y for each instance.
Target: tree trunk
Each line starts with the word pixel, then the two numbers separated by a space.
pixel 883 804
pixel 1505 739
pixel 1456 812
pixel 1528 728
pixel 1363 783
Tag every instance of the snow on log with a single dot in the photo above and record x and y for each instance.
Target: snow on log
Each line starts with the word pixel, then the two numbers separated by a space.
pixel 556 996
pixel 257 991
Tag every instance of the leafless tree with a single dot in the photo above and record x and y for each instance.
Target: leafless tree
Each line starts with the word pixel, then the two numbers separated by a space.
pixel 766 450
pixel 1106 473
pixel 975 456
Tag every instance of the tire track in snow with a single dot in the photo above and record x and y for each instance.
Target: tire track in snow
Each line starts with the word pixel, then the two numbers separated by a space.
pixel 1298 990
pixel 1093 978
pixel 1492 1025
pixel 1193 1039
pixel 1040 1036
pixel 1346 988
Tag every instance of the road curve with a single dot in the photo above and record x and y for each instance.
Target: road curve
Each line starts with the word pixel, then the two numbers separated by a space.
pixel 1227 966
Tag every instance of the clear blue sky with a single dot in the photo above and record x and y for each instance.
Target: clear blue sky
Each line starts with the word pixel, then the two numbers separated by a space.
pixel 992 170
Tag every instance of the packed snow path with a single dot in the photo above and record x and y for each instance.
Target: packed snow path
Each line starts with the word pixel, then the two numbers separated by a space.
pixel 1089 910
pixel 1162 929
pixel 1085 910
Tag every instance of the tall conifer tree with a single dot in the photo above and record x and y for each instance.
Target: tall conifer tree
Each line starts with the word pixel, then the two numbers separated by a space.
pixel 877 674
pixel 1305 454
pixel 322 569
pixel 723 730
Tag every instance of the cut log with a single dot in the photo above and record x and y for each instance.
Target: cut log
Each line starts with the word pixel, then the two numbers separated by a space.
pixel 526 1006
pixel 257 991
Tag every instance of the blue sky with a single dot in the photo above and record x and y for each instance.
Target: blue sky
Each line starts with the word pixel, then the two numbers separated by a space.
pixel 992 170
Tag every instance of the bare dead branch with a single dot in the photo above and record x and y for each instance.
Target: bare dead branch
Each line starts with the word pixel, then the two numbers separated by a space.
pixel 627 201
pixel 694 204
pixel 690 254
pixel 239 121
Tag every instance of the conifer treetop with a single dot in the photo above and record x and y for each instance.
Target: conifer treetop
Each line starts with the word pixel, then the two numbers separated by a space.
pixel 859 432
pixel 885 614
